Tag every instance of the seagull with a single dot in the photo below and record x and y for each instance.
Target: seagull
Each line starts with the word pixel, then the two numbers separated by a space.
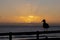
pixel 45 25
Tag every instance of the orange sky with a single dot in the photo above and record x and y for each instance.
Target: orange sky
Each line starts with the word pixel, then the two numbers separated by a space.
pixel 28 11
pixel 21 19
pixel 27 19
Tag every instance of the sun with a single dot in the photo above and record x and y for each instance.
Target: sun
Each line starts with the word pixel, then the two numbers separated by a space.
pixel 31 16
pixel 30 19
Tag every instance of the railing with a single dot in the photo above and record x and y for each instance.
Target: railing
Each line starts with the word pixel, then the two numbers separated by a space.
pixel 28 33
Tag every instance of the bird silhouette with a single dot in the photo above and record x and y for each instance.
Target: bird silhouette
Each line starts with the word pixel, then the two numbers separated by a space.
pixel 45 25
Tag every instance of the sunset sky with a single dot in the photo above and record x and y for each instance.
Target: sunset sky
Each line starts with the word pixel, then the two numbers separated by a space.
pixel 27 11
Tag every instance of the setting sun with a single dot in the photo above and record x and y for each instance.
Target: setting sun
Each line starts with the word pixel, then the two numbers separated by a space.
pixel 31 16
pixel 30 19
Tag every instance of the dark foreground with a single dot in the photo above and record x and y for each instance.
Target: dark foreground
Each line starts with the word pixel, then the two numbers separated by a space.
pixel 37 33
pixel 46 39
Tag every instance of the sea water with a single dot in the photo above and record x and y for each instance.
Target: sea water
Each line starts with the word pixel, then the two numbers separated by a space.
pixel 18 28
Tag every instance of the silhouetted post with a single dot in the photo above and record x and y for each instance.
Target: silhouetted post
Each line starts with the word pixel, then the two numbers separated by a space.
pixel 37 35
pixel 10 35
pixel 46 38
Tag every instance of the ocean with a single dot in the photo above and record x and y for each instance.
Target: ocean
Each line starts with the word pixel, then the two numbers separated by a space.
pixel 26 28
